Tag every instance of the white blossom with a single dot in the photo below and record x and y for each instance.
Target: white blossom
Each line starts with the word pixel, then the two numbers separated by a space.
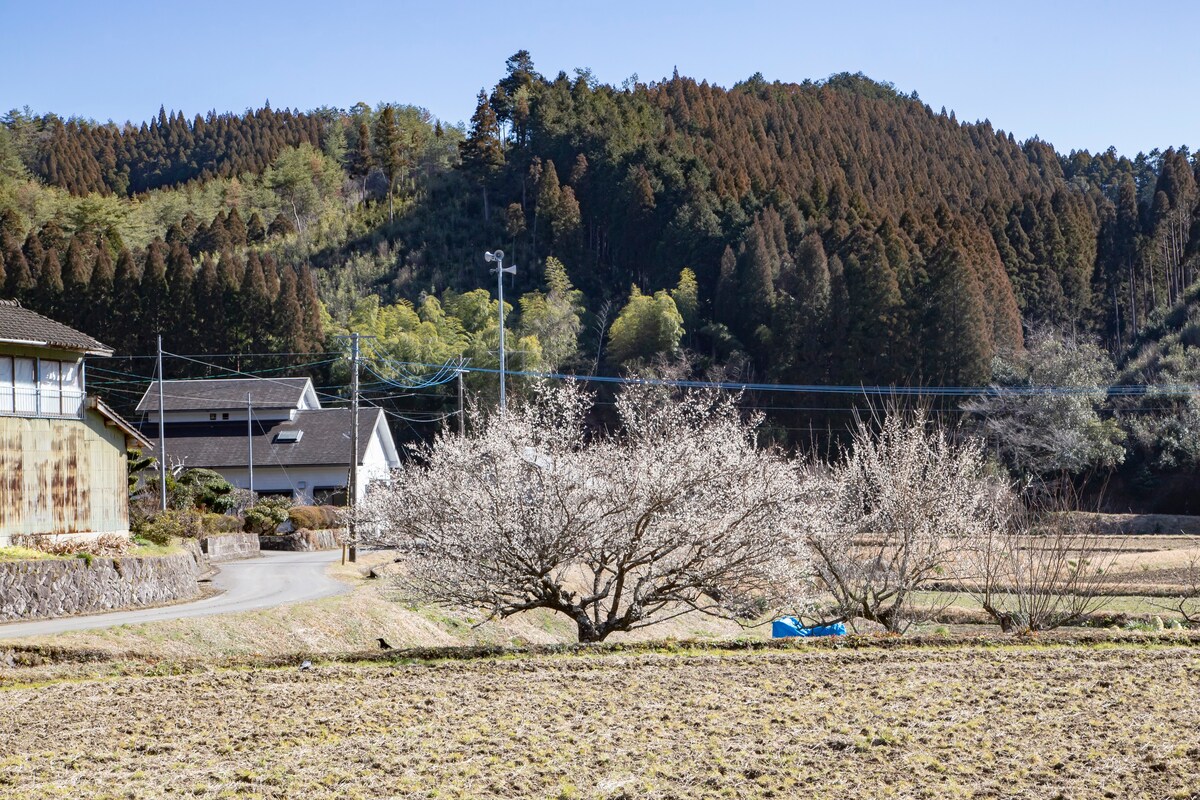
pixel 677 510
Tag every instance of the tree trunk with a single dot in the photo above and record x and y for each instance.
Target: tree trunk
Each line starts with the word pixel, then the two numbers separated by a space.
pixel 587 631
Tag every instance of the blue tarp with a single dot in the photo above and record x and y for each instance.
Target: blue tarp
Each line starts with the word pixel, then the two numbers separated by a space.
pixel 790 626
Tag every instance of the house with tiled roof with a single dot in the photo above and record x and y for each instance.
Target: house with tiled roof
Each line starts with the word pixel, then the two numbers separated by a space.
pixel 268 434
pixel 63 468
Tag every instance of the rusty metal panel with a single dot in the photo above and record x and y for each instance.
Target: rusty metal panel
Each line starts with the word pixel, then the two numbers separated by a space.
pixel 61 476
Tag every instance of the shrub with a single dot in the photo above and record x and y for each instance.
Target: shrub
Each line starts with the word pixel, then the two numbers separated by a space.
pixel 267 514
pixel 164 526
pixel 202 489
pixel 221 523
pixel 314 518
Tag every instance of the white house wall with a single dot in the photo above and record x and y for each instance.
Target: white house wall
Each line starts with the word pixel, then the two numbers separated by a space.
pixel 275 479
pixel 374 465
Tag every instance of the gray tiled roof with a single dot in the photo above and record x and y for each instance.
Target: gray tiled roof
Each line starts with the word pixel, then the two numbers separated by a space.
pixel 224 394
pixel 19 324
pixel 325 442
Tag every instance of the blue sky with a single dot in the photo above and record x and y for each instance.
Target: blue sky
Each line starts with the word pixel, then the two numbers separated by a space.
pixel 1078 74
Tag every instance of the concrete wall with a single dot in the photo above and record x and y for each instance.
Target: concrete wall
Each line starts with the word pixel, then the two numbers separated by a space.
pixel 62 587
pixel 230 546
pixel 303 540
pixel 62 476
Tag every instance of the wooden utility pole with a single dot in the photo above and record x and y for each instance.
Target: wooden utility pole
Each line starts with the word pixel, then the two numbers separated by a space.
pixel 352 489
pixel 250 440
pixel 162 432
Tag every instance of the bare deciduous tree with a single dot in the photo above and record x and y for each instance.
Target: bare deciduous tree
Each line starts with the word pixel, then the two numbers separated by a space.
pixel 1187 602
pixel 895 512
pixel 680 510
pixel 1046 568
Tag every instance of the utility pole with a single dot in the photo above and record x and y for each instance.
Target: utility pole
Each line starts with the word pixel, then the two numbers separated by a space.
pixel 498 258
pixel 250 440
pixel 352 489
pixel 162 435
pixel 462 420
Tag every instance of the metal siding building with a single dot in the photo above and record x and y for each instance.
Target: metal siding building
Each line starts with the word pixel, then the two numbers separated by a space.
pixel 63 466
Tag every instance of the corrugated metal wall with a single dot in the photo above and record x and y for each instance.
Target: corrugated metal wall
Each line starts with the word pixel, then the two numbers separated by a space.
pixel 61 476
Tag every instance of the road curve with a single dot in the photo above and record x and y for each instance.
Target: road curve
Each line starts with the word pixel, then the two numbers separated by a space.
pixel 274 579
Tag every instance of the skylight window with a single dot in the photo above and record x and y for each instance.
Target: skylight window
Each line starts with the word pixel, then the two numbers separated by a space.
pixel 288 437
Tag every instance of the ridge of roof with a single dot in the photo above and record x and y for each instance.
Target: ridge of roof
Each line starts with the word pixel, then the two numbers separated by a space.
pixel 20 325
pixel 215 394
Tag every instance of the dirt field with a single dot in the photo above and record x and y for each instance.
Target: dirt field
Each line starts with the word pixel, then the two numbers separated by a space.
pixel 1032 722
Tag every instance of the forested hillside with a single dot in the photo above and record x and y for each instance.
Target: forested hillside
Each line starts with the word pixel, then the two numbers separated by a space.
pixel 832 232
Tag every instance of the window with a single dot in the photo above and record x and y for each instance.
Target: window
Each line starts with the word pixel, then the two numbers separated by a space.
pixel 72 387
pixel 7 403
pixel 329 495
pixel 33 387
pixel 212 417
pixel 25 392
pixel 225 415
pixel 288 437
pixel 51 391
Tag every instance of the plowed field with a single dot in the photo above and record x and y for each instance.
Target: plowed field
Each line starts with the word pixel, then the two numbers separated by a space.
pixel 1117 721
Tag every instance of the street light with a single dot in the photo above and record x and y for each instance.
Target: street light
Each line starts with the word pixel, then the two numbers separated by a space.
pixel 498 258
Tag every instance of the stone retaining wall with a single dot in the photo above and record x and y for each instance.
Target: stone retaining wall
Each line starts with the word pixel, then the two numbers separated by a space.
pixel 303 540
pixel 61 587
pixel 230 546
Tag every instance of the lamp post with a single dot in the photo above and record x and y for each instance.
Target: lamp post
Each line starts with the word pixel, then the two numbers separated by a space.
pixel 498 258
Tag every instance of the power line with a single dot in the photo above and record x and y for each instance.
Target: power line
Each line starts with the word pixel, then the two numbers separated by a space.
pixel 915 391
pixel 241 373
pixel 219 355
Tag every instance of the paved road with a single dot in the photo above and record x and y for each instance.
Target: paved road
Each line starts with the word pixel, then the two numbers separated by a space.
pixel 272 580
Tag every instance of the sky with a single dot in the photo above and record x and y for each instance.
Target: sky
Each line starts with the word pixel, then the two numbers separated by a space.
pixel 1080 75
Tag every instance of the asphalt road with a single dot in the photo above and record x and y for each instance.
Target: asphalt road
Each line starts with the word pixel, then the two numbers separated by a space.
pixel 274 579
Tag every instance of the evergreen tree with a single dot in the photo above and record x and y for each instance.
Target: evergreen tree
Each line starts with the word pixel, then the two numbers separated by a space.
pixel 255 230
pixel 210 318
pixel 126 322
pixel 154 293
pixel 873 317
pixel 236 229
pixel 957 345
pixel 388 149
pixel 19 281
pixel 49 293
pixel 548 195
pixel 35 254
pixel 281 226
pixel 52 236
pixel 289 316
pixel 311 310
pixel 482 153
pixel 181 273
pixel 98 308
pixel 256 304
pixel 76 278
pixel 360 163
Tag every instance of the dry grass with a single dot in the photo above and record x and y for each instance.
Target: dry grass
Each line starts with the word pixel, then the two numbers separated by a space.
pixel 1016 722
pixel 349 622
